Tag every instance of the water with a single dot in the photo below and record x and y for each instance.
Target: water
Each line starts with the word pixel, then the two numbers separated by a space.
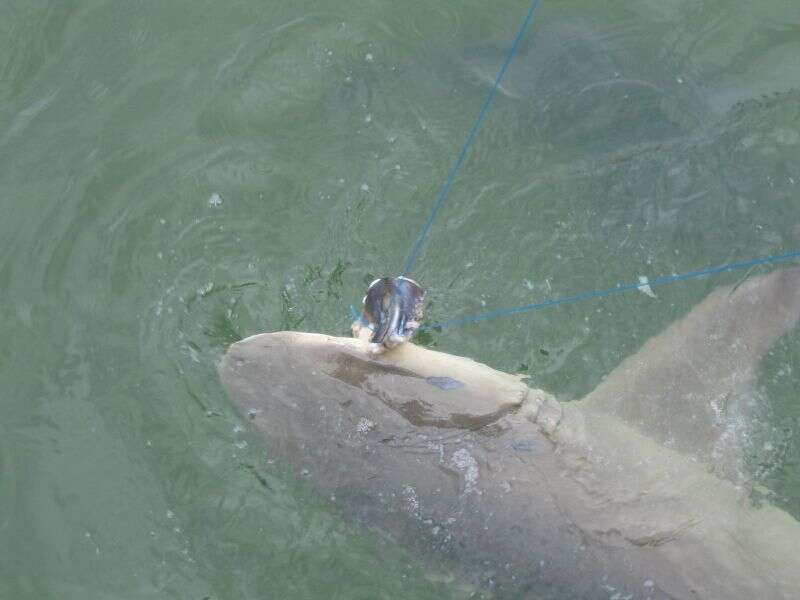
pixel 174 176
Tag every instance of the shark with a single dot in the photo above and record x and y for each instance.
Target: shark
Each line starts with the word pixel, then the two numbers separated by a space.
pixel 630 492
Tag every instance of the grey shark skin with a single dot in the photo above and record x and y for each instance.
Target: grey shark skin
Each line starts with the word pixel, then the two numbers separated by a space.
pixel 521 494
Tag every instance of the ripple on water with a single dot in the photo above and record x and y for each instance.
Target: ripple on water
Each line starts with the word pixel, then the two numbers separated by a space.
pixel 174 179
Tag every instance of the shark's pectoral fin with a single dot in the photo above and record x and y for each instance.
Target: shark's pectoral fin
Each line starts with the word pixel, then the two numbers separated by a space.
pixel 689 387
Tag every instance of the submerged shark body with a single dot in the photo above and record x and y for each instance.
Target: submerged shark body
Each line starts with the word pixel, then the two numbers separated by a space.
pixel 527 496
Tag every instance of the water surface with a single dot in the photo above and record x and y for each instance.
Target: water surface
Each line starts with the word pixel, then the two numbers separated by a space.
pixel 177 175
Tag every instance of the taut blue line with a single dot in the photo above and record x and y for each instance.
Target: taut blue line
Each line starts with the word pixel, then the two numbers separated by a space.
pixel 412 256
pixel 618 289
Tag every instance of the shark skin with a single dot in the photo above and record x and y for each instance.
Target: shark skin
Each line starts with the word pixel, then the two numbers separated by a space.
pixel 689 386
pixel 521 494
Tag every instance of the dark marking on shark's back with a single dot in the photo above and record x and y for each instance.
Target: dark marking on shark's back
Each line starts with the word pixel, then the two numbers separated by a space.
pixel 355 371
pixel 409 399
pixel 524 445
pixel 445 383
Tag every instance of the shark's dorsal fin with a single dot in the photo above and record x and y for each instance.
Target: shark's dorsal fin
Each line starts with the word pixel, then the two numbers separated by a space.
pixel 689 387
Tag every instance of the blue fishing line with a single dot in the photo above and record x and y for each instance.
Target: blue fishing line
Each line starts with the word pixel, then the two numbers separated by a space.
pixel 617 289
pixel 503 312
pixel 412 256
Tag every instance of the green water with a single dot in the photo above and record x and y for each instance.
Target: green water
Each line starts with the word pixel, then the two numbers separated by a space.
pixel 631 138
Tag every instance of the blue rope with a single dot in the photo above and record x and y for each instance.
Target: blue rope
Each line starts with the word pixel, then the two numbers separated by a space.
pixel 503 312
pixel 618 289
pixel 412 256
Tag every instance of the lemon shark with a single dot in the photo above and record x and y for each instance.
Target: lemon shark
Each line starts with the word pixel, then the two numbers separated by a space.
pixel 629 493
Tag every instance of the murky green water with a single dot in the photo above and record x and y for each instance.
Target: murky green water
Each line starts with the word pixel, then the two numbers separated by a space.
pixel 631 138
